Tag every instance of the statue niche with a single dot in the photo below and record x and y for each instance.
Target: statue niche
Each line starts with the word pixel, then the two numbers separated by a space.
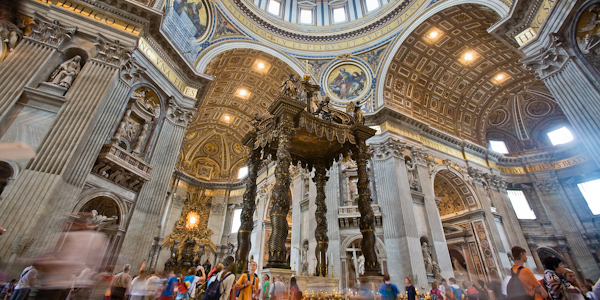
pixel 135 128
pixel 65 73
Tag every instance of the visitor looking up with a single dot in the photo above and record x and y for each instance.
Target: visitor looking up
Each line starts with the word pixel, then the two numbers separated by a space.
pixel 411 293
pixel 523 284
pixel 388 290
pixel 248 284
pixel 557 285
pixel 570 275
pixel 266 287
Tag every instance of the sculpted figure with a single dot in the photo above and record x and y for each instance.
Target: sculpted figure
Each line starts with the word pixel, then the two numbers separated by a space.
pixel 288 87
pixel 458 267
pixel 437 272
pixel 427 258
pixel 66 72
pixel 358 114
pixel 361 264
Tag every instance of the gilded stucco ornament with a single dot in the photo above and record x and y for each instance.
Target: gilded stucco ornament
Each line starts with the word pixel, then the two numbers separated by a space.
pixel 50 32
pixel 178 115
pixel 550 60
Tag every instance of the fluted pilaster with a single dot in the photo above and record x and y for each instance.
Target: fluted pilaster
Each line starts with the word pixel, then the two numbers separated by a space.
pixel 152 195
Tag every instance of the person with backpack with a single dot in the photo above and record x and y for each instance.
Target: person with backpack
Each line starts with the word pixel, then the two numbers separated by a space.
pixel 470 291
pixel 455 288
pixel 248 283
pixel 411 292
pixel 388 290
pixel 220 286
pixel 27 279
pixel 435 293
pixel 523 285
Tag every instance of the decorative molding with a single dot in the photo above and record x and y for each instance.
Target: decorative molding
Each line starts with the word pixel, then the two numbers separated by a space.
pixel 131 71
pixel 563 248
pixel 476 175
pixel 533 247
pixel 388 148
pixel 548 186
pixel 50 32
pixel 111 51
pixel 178 115
pixel 549 61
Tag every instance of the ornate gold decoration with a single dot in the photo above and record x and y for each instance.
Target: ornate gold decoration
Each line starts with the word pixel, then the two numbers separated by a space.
pixel 197 206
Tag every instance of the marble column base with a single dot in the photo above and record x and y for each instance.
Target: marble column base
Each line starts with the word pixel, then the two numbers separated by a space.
pixel 318 284
pixel 370 283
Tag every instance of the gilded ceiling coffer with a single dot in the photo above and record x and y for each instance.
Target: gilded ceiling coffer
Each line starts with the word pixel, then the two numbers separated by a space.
pixel 295 134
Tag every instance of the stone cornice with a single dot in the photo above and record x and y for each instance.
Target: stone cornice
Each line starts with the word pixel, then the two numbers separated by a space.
pixel 151 20
pixel 207 185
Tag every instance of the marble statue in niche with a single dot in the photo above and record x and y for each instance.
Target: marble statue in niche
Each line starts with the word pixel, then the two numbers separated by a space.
pixel 65 74
pixel 458 268
pixel 361 264
pixel 427 258
pixel 413 178
pixel 304 268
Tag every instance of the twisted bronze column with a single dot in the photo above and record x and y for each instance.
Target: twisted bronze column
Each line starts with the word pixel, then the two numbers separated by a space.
pixel 320 180
pixel 281 200
pixel 367 218
pixel 249 205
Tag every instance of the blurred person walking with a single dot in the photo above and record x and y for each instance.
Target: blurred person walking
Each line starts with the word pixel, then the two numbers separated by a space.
pixel 120 284
pixel 389 291
pixel 27 279
pixel 8 289
pixel 278 289
pixel 139 286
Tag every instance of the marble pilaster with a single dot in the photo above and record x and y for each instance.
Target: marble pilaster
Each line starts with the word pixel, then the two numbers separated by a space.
pixel 553 197
pixel 152 195
pixel 436 230
pixel 53 180
pixel 396 204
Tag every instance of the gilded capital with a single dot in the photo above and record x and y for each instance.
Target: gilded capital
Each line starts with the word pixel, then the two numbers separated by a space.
pixel 178 115
pixel 50 32
pixel 549 61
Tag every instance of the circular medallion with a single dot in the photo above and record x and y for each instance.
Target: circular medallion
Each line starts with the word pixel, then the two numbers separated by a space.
pixel 347 82
pixel 211 149
pixel 238 148
pixel 538 108
pixel 498 117
pixel 190 135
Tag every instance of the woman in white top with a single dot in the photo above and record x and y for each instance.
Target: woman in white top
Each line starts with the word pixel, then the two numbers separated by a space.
pixel 139 286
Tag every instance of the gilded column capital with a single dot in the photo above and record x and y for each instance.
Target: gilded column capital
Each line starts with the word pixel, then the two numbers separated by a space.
pixel 550 60
pixel 386 149
pixel 548 186
pixel 50 32
pixel 111 51
pixel 131 71
pixel 178 115
pixel 476 175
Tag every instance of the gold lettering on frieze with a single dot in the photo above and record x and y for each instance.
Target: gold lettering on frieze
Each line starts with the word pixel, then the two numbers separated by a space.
pixel 536 23
pixel 93 14
pixel 556 165
pixel 409 12
pixel 164 68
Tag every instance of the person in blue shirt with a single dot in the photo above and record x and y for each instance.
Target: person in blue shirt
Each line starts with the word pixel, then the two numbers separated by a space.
pixel 387 290
pixel 171 284
pixel 456 290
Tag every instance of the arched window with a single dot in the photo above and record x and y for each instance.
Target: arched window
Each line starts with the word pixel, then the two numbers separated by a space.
pixel 274 7
pixel 371 5
pixel 340 14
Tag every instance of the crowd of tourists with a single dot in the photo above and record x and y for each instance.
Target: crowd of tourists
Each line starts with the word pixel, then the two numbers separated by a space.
pixel 558 283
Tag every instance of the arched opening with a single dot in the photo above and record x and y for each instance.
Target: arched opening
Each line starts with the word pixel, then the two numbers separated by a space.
pixel 353 261
pixel 467 234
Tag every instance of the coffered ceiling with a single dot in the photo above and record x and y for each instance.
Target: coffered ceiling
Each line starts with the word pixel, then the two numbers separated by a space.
pixel 454 75
pixel 245 83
